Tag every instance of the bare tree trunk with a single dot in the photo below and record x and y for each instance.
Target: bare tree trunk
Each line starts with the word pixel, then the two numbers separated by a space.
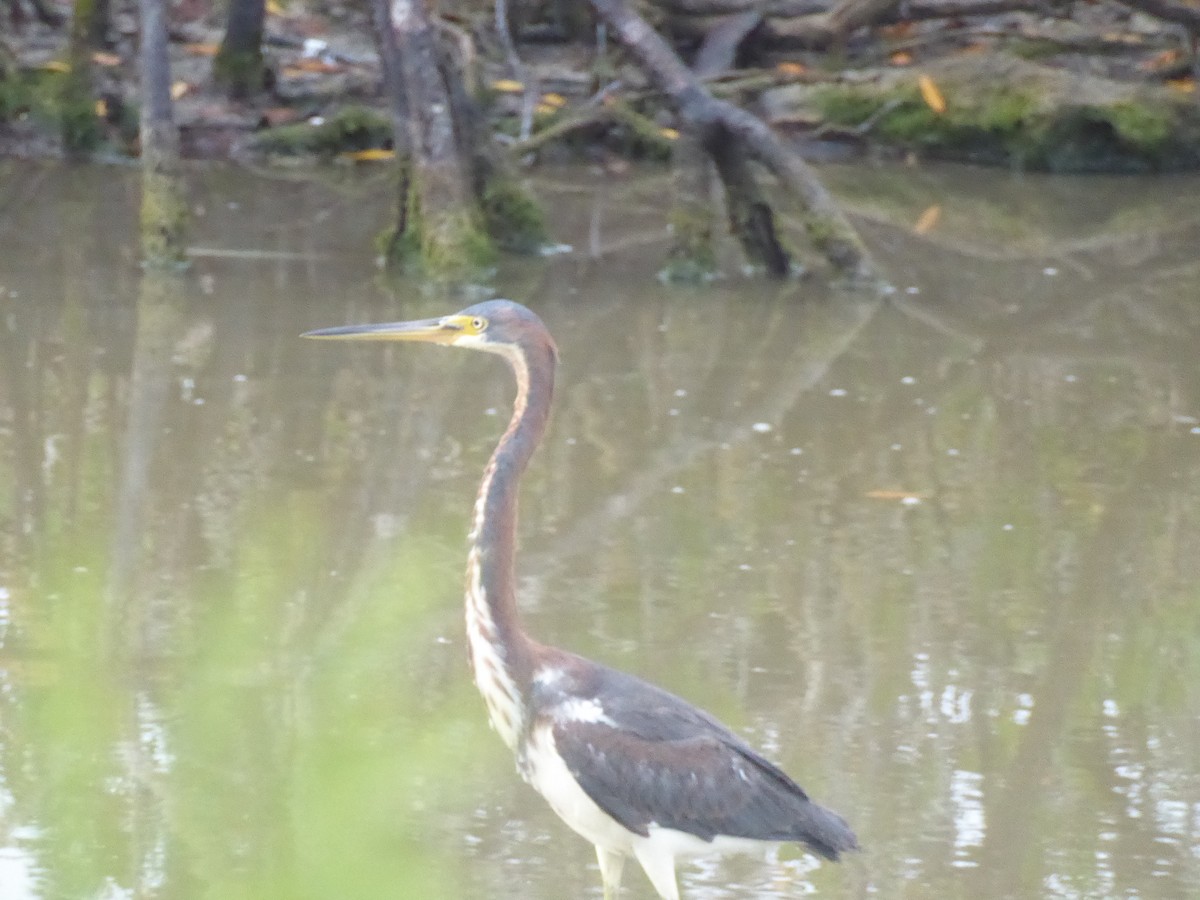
pixel 393 85
pixel 458 201
pixel 451 239
pixel 164 208
pixel 238 64
pixel 692 257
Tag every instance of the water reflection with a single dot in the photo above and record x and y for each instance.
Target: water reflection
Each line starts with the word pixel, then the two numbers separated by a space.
pixel 936 556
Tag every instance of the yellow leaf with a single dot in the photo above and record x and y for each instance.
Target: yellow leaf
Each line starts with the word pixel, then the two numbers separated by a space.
pixel 375 154
pixel 108 60
pixel 1183 85
pixel 101 108
pixel 901 58
pixel 180 89
pixel 931 95
pixel 928 220
pixel 200 49
pixel 274 8
pixel 507 86
pixel 669 133
pixel 791 68
pixel 554 101
pixel 55 65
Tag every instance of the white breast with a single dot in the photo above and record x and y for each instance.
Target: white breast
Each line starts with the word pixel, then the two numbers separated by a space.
pixel 543 768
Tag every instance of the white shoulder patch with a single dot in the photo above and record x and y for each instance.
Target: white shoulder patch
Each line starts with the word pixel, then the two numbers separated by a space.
pixel 548 676
pixel 580 709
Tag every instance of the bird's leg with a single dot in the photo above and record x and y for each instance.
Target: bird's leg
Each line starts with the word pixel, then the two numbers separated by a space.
pixel 611 866
pixel 660 869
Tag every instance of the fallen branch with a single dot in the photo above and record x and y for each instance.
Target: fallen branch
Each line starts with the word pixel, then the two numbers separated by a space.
pixel 796 23
pixel 824 29
pixel 1170 11
pixel 717 122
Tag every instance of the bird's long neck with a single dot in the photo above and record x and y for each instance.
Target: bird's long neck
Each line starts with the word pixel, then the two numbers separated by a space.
pixel 501 653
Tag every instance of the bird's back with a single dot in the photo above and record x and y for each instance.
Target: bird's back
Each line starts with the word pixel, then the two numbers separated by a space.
pixel 650 759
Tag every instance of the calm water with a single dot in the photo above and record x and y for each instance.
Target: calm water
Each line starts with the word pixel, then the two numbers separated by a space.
pixel 940 557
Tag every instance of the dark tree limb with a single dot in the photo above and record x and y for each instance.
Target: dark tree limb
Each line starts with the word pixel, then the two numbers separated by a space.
pixel 718 52
pixel 238 64
pixel 717 120
pixel 692 257
pixel 751 218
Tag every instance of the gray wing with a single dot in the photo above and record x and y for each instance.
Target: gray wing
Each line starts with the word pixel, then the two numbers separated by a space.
pixel 658 759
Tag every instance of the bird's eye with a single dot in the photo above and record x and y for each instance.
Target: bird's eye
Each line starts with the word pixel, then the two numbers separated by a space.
pixel 478 324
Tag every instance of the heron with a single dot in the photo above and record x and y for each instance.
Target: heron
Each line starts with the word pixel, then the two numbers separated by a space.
pixel 629 766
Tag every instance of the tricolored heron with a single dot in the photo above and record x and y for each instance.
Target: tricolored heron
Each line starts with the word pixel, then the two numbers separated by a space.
pixel 635 770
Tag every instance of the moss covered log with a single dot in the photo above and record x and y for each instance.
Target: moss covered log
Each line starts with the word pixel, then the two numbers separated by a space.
pixel 1002 110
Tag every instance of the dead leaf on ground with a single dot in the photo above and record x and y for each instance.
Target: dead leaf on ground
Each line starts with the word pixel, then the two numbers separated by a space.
pixel 201 49
pixel 1161 60
pixel 931 94
pixel 280 115
pixel 928 220
pixel 311 67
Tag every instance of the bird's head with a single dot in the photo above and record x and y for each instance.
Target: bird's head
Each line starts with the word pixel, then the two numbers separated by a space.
pixel 496 326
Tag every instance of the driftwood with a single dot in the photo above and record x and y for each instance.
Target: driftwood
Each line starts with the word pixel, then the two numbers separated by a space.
pixel 723 128
pixel 815 25
pixel 825 29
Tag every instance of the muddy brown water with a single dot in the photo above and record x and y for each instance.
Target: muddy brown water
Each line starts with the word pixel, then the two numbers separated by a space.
pixel 939 556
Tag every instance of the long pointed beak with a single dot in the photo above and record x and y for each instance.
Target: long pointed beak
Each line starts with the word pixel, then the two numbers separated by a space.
pixel 433 331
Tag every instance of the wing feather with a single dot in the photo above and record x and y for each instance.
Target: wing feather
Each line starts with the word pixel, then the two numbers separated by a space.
pixel 656 759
